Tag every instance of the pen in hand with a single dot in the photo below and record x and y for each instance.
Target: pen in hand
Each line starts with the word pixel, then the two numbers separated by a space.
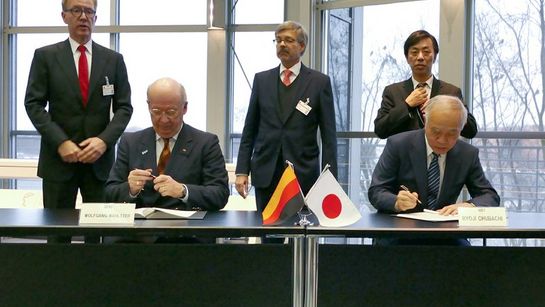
pixel 407 190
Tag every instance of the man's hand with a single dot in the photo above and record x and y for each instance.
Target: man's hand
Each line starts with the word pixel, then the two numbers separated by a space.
pixel 166 186
pixel 92 149
pixel 69 151
pixel 405 201
pixel 417 97
pixel 453 209
pixel 137 179
pixel 241 184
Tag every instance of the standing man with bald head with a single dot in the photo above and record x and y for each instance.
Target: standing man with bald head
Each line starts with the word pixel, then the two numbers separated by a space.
pixel 289 104
pixel 170 165
pixel 72 87
pixel 403 103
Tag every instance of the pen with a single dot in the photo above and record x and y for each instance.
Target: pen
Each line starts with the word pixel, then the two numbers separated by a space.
pixel 406 189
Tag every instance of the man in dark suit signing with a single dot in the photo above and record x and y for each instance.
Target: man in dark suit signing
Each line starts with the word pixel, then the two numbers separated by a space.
pixel 170 165
pixel 433 164
pixel 72 87
pixel 403 103
pixel 287 106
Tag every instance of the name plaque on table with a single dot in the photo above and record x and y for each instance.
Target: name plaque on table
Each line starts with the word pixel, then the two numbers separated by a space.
pixel 482 216
pixel 107 213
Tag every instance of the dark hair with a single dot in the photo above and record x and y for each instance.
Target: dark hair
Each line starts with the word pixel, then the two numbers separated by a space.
pixel 416 37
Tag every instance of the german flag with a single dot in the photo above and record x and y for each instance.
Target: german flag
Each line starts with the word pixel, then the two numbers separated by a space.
pixel 286 200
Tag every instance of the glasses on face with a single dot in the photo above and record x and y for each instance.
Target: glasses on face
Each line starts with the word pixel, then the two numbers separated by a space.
pixel 169 113
pixel 78 11
pixel 286 40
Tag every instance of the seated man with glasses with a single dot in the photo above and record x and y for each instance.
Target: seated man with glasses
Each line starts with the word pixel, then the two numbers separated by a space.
pixel 171 164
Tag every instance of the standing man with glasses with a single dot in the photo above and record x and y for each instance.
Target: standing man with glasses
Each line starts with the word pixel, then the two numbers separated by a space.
pixel 403 103
pixel 72 87
pixel 288 105
pixel 170 165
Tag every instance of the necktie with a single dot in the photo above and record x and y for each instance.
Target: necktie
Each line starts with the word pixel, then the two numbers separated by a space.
pixel 83 69
pixel 433 181
pixel 286 80
pixel 163 158
pixel 421 107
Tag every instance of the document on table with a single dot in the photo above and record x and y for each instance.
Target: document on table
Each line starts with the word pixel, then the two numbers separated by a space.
pixel 153 213
pixel 430 216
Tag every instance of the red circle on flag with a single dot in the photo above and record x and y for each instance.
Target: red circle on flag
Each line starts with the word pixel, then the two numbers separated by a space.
pixel 331 206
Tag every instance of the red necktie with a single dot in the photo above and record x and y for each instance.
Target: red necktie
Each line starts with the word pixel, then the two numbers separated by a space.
pixel 163 158
pixel 286 80
pixel 83 69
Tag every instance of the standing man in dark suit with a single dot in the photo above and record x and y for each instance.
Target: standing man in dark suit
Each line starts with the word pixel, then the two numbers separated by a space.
pixel 409 157
pixel 170 165
pixel 403 103
pixel 287 106
pixel 72 87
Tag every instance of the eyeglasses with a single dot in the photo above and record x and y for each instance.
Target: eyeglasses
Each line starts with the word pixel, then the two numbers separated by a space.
pixel 169 113
pixel 287 40
pixel 78 11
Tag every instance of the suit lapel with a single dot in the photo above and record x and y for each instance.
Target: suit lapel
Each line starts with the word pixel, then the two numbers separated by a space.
pixel 182 148
pixel 97 66
pixel 271 87
pixel 452 167
pixel 303 81
pixel 419 161
pixel 435 88
pixel 408 87
pixel 65 57
pixel 147 150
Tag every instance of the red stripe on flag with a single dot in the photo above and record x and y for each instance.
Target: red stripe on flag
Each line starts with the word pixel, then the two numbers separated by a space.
pixel 289 192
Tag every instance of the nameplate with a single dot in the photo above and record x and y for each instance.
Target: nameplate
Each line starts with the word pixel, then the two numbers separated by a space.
pixel 106 213
pixel 482 216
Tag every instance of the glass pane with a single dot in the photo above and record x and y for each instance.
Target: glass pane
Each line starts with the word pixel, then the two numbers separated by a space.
pixel 163 12
pixel 508 68
pixel 26 44
pixel 259 11
pixel 515 169
pixel 48 13
pixel 152 60
pixel 382 59
pixel 246 65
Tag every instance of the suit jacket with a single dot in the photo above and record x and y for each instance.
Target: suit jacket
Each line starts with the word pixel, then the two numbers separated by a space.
pixel 266 132
pixel 53 82
pixel 403 162
pixel 395 116
pixel 196 161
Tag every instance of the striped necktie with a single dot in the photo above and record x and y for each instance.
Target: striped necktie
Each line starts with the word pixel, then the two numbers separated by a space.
pixel 421 107
pixel 433 181
pixel 163 158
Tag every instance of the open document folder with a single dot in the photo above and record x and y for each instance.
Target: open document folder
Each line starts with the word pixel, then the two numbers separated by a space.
pixel 427 215
pixel 153 213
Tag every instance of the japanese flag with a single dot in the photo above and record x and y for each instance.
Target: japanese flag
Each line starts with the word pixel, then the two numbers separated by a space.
pixel 330 203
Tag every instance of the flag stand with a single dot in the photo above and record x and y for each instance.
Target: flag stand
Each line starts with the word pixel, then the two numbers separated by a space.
pixel 303 221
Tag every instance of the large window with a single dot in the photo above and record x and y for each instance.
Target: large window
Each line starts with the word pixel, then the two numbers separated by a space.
pixel 364 54
pixel 250 52
pixel 163 38
pixel 508 101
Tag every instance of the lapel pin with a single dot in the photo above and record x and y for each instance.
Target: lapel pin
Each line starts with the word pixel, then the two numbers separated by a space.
pixel 145 152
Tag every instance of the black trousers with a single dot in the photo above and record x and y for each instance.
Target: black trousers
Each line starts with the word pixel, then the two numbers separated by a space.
pixel 63 194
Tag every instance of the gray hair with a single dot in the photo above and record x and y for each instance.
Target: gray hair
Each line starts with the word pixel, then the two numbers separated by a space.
pixel 302 36
pixel 64 4
pixel 452 103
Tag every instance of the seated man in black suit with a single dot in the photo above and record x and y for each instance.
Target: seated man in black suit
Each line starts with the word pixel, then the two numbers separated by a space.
pixel 434 164
pixel 403 103
pixel 170 165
